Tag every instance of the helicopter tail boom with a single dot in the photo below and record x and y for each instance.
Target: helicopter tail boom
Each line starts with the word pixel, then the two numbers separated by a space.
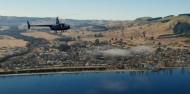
pixel 29 26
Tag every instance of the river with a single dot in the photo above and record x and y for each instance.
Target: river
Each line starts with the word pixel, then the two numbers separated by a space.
pixel 171 81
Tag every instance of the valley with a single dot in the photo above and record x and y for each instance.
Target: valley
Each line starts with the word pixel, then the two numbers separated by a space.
pixel 142 44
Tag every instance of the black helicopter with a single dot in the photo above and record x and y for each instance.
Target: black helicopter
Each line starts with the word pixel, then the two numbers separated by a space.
pixel 56 27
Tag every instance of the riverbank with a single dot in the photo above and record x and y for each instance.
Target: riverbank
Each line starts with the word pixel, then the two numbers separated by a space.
pixel 64 72
pixel 77 72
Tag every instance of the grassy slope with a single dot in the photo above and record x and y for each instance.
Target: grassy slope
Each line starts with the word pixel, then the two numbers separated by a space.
pixel 155 29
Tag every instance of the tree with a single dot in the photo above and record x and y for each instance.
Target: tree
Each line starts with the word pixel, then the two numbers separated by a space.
pixel 151 38
pixel 78 37
pixel 64 47
pixel 98 35
pixel 97 41
pixel 181 28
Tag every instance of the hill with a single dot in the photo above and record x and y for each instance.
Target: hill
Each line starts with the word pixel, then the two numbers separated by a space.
pixel 157 42
pixel 17 21
pixel 142 31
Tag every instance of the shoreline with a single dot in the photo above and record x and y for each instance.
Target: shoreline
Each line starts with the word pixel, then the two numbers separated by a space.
pixel 64 72
pixel 78 72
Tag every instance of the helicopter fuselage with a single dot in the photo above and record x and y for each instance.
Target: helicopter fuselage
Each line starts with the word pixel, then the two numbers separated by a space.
pixel 60 26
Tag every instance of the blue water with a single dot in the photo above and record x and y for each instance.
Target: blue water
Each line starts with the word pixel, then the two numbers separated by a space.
pixel 176 81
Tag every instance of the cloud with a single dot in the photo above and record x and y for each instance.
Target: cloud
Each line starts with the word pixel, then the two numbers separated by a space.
pixel 141 49
pixel 115 52
pixel 122 52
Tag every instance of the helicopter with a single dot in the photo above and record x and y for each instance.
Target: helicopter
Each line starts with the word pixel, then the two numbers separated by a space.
pixel 56 27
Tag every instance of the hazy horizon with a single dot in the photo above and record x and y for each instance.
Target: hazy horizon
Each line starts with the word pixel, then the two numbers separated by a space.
pixel 94 9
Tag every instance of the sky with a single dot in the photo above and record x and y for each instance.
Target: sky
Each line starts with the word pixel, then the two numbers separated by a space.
pixel 94 9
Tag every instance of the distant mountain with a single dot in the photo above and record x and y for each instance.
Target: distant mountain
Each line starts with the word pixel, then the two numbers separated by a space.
pixel 16 21
pixel 97 25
